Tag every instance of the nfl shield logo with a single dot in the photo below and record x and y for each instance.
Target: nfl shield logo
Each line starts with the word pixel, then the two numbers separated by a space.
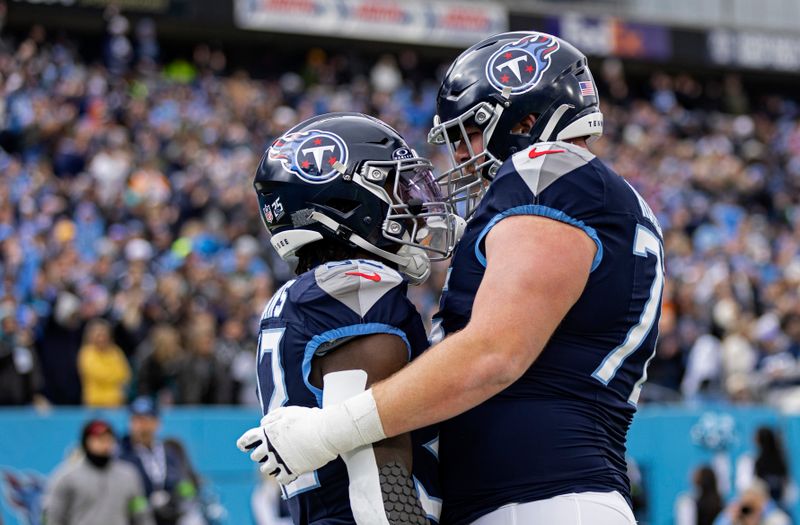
pixel 268 214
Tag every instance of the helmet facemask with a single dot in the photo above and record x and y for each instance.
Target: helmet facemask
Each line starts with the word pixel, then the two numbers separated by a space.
pixel 418 215
pixel 465 182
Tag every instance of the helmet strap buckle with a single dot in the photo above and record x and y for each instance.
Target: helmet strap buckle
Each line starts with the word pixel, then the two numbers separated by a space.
pixel 343 232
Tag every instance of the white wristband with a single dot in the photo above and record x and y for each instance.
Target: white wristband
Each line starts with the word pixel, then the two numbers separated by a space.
pixel 352 424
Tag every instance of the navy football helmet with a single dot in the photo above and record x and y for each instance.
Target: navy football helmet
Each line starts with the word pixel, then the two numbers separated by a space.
pixel 351 179
pixel 493 86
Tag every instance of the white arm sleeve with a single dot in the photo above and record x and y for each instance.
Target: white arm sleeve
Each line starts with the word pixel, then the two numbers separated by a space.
pixel 366 497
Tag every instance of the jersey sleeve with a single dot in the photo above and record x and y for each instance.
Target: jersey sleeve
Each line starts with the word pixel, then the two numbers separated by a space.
pixel 351 299
pixel 556 180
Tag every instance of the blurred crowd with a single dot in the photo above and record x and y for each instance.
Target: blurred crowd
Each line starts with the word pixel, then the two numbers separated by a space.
pixel 133 260
pixel 722 172
pixel 763 486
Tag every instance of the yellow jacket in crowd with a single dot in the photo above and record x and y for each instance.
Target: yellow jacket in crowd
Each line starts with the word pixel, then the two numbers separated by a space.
pixel 104 374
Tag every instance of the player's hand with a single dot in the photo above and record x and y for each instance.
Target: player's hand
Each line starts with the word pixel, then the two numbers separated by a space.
pixel 288 443
pixel 295 440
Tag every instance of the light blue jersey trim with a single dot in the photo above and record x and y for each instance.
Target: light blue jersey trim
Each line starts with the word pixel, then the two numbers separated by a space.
pixel 542 211
pixel 292 493
pixel 432 446
pixel 339 333
pixel 431 506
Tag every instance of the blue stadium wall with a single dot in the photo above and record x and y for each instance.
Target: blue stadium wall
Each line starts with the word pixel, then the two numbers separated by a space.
pixel 667 443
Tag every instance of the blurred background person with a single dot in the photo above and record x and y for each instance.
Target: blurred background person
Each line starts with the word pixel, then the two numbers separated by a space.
pixel 205 376
pixel 57 346
pixel 704 503
pixel 754 507
pixel 769 465
pixel 96 489
pixel 159 361
pixel 103 367
pixel 195 504
pixel 169 481
pixel 20 374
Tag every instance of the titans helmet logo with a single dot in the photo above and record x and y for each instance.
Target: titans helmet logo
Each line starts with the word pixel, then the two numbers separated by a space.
pixel 311 155
pixel 520 65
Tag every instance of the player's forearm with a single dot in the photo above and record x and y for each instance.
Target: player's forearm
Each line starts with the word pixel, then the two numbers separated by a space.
pixel 458 374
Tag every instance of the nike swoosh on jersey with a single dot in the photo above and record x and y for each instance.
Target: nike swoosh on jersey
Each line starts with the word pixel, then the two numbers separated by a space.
pixel 370 276
pixel 533 153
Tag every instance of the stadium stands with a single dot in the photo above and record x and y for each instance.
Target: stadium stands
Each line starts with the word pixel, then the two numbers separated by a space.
pixel 126 196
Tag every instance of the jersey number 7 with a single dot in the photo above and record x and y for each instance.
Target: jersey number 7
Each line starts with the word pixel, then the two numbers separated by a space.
pixel 645 243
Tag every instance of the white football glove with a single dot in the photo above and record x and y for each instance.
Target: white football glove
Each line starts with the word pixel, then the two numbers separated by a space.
pixel 295 440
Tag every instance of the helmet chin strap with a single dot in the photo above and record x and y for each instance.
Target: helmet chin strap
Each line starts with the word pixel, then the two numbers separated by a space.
pixel 505 101
pixel 553 122
pixel 410 260
pixel 590 126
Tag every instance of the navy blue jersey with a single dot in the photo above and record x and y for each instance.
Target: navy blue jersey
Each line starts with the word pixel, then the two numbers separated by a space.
pixel 313 315
pixel 560 428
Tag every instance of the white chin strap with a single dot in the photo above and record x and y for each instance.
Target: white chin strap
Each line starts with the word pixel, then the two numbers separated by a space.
pixel 410 260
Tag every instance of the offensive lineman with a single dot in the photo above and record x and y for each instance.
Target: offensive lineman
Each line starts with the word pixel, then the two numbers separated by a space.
pixel 550 311
pixel 334 192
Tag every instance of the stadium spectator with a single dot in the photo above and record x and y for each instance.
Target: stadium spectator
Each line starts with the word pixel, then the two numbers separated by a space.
pixel 242 352
pixel 160 359
pixel 205 377
pixel 754 507
pixel 704 503
pixel 58 345
pixel 169 481
pixel 20 376
pixel 103 367
pixel 197 504
pixel 770 465
pixel 96 489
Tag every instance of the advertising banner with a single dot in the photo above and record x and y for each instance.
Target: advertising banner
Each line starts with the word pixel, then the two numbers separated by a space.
pixel 420 22
pixel 754 49
pixel 610 36
pixel 151 6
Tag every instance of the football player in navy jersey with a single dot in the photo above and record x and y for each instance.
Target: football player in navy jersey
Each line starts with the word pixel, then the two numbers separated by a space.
pixel 345 197
pixel 549 315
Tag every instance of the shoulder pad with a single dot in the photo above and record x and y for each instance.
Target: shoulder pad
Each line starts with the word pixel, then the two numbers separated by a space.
pixel 358 284
pixel 545 162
